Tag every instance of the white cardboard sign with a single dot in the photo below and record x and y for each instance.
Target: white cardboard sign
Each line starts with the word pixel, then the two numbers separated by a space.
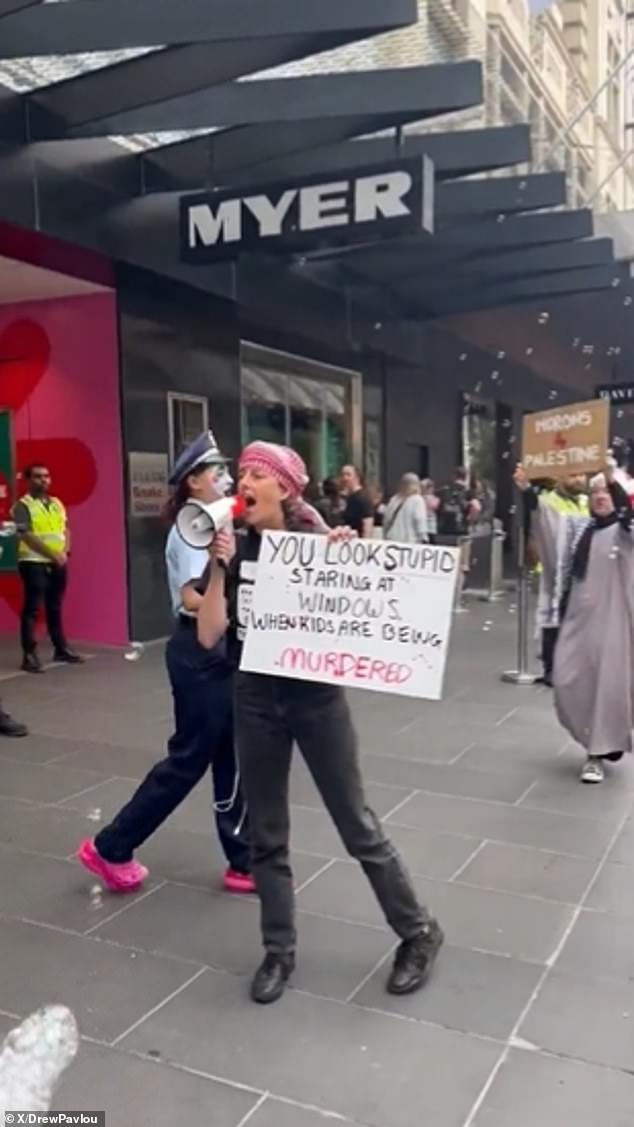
pixel 365 614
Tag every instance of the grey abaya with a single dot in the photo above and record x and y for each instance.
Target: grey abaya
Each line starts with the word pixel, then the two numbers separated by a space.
pixel 594 660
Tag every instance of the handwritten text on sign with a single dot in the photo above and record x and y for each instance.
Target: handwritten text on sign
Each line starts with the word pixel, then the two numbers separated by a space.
pixel 366 614
pixel 566 440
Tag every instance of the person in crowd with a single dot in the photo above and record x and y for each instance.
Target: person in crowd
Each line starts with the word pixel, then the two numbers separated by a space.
pixel 594 588
pixel 406 513
pixel 379 506
pixel 432 504
pixel 566 497
pixel 273 713
pixel 330 506
pixel 202 689
pixel 458 512
pixel 43 554
pixel 358 511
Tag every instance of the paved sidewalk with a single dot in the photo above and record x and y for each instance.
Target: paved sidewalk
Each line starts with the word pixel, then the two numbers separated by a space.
pixel 529 1017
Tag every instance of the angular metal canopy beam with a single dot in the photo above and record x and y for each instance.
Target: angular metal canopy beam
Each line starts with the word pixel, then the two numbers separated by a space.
pixel 418 91
pixel 495 269
pixel 540 287
pixel 7 7
pixel 101 25
pixel 226 159
pixel 403 257
pixel 464 199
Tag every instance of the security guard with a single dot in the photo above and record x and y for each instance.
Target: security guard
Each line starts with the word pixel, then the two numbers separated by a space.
pixel 202 688
pixel 43 551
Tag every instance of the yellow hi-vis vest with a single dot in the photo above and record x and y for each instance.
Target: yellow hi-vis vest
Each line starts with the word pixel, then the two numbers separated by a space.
pixel 48 522
pixel 567 507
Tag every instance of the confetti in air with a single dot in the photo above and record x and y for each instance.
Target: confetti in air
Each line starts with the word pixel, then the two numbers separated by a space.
pixel 543 318
pixel 96 897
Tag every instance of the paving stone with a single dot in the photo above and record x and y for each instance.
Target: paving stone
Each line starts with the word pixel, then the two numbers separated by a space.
pixel 583 837
pixel 106 987
pixel 468 990
pixel 334 1057
pixel 535 1089
pixel 600 945
pixel 333 957
pixel 471 917
pixel 529 872
pixel 613 890
pixel 145 1094
pixel 591 1019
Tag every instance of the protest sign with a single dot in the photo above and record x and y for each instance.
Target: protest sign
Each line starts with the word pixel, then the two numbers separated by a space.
pixel 566 440
pixel 365 614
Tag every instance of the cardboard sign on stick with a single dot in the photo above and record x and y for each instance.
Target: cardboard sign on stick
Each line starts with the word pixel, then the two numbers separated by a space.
pixel 566 440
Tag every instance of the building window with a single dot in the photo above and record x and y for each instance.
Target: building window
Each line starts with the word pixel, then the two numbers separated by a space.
pixel 187 417
pixel 312 407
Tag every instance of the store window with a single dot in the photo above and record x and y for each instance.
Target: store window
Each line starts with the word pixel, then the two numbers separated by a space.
pixel 312 407
pixel 188 416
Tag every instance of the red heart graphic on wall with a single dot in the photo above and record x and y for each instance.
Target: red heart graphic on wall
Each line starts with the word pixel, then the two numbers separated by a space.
pixel 25 351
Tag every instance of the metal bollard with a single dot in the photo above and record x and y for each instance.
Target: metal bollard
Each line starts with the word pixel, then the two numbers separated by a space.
pixel 496 564
pixel 521 675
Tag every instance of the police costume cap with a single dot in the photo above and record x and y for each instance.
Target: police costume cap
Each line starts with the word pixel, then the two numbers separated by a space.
pixel 203 451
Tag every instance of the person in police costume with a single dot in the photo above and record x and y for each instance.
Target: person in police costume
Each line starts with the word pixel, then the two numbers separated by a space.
pixel 43 553
pixel 201 681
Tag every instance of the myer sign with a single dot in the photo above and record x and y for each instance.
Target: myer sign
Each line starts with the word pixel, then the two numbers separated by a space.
pixel 394 199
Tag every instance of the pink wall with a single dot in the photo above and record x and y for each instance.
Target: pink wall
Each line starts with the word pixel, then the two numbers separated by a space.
pixel 59 376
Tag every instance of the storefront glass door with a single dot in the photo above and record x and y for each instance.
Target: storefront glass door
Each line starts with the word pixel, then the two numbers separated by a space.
pixel 300 403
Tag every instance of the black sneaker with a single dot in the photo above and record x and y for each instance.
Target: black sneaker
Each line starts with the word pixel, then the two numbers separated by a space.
pixel 271 977
pixel 414 959
pixel 31 664
pixel 11 727
pixel 67 657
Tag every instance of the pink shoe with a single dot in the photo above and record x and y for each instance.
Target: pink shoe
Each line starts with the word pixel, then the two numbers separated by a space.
pixel 127 876
pixel 238 882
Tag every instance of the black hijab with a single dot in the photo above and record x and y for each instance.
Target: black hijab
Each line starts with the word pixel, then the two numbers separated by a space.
pixel 622 515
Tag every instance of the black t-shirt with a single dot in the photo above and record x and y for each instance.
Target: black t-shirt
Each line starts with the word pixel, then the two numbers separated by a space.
pixel 454 506
pixel 239 590
pixel 358 508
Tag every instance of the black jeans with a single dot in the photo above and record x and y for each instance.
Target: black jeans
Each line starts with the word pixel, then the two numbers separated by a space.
pixel 272 712
pixel 203 712
pixel 43 583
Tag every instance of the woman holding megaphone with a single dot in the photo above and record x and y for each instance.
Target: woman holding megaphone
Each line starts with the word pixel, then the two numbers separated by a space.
pixel 201 680
pixel 274 712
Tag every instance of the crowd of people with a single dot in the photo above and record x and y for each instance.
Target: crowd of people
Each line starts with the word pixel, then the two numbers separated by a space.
pixel 242 727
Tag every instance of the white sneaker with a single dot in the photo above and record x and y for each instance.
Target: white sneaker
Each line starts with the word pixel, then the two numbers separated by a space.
pixel 592 771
